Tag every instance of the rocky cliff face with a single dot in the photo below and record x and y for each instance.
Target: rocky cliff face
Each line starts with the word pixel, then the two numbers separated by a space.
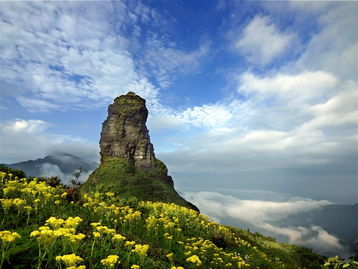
pixel 128 164
pixel 125 134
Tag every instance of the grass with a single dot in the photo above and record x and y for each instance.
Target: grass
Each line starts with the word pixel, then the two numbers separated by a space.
pixel 42 224
pixel 121 176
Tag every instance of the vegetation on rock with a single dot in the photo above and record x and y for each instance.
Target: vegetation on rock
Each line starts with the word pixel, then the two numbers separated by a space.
pixel 124 179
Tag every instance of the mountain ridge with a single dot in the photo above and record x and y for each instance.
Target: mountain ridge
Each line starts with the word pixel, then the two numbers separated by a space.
pixel 66 163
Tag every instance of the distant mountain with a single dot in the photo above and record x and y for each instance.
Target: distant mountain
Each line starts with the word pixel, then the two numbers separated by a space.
pixel 59 164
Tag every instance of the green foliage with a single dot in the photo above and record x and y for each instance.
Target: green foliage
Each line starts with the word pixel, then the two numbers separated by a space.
pixel 127 104
pixel 14 172
pixel 336 263
pixel 147 234
pixel 120 176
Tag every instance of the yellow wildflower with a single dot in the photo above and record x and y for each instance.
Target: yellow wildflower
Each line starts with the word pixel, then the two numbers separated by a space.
pixel 73 222
pixel 7 236
pixel 141 250
pixel 70 259
pixel 35 234
pixel 170 256
pixel 28 208
pixel 6 203
pixel 118 237
pixel 110 194
pixel 110 261
pixel 194 259
pixel 96 234
pixel 129 243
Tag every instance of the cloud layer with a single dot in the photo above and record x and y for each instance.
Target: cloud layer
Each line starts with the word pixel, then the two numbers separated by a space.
pixel 265 216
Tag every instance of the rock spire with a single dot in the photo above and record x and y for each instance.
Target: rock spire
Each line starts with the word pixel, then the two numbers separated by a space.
pixel 128 165
pixel 124 132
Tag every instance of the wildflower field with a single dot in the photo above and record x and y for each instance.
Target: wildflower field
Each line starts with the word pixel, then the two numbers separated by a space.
pixel 44 226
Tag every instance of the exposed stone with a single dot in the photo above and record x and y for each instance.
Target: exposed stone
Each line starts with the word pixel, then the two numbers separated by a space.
pixel 125 134
pixel 128 164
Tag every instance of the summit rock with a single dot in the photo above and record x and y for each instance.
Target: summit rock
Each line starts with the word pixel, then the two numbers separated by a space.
pixel 125 134
pixel 128 164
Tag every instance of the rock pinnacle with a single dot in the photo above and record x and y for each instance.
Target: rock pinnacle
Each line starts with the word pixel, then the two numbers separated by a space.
pixel 128 165
pixel 125 134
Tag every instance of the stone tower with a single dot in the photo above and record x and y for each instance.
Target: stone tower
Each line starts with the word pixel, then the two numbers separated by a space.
pixel 124 132
pixel 128 165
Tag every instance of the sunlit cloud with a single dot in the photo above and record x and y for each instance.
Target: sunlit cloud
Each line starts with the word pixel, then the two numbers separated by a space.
pixel 261 42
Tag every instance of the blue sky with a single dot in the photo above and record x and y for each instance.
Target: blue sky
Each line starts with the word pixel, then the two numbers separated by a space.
pixel 248 95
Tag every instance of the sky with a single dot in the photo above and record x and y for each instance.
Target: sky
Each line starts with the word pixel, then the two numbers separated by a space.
pixel 241 94
pixel 248 100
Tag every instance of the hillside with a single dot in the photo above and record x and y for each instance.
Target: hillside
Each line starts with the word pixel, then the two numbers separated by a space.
pixel 45 223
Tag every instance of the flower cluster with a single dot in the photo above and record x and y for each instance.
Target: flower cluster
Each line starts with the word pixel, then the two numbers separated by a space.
pixel 55 228
pixel 7 236
pixel 118 238
pixel 141 250
pixel 71 261
pixel 194 259
pixel 99 203
pixel 110 261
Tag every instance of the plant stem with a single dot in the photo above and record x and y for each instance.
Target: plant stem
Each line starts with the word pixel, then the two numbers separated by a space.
pixel 28 218
pixel 39 261
pixel 94 241
pixel 2 257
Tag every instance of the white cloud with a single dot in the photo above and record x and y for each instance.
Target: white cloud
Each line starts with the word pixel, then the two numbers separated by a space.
pixel 27 126
pixel 261 42
pixel 164 61
pixel 325 241
pixel 264 216
pixel 23 140
pixel 254 211
pixel 298 88
pixel 207 115
pixel 69 56
pixel 82 149
pixel 36 105
pixel 314 237
pixel 339 110
pixel 165 120
pixel 334 48
pixel 52 170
